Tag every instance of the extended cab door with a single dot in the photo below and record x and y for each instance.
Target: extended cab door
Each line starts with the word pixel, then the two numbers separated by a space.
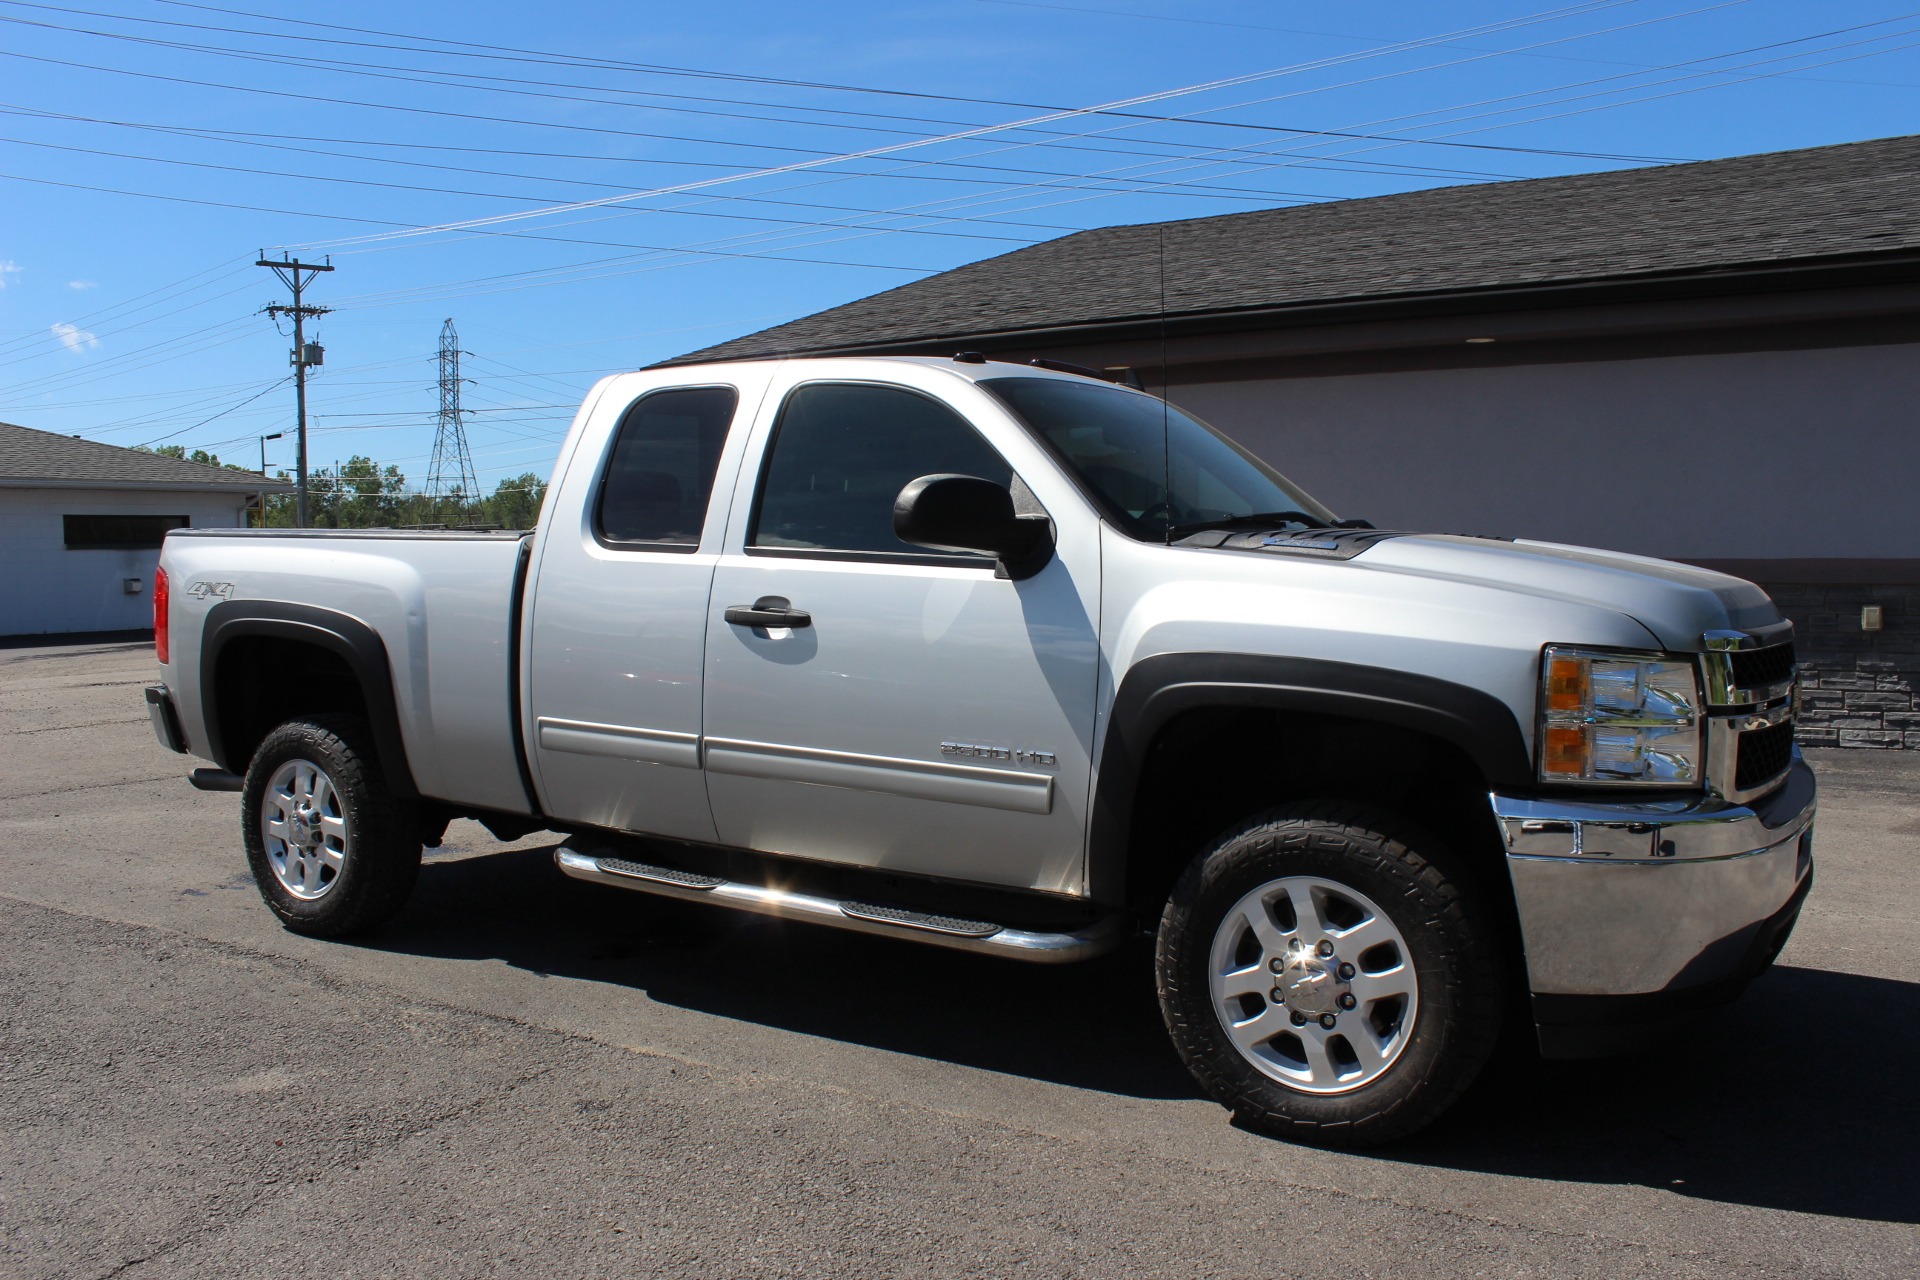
pixel 619 601
pixel 929 716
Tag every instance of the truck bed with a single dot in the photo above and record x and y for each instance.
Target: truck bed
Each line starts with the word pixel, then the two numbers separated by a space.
pixel 442 602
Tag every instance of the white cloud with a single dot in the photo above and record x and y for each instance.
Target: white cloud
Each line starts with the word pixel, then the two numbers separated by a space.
pixel 8 268
pixel 74 338
pixel 81 284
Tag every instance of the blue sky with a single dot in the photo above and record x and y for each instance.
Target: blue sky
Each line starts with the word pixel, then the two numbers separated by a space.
pixel 441 154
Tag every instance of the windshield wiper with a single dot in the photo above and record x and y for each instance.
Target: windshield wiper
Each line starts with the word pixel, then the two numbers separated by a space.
pixel 1258 520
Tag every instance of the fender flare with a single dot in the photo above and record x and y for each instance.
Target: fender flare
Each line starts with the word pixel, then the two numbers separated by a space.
pixel 352 640
pixel 1157 689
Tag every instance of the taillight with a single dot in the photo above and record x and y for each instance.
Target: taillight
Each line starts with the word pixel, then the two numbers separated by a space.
pixel 160 612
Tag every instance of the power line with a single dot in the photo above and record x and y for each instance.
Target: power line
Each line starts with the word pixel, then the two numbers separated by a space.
pixel 244 137
pixel 824 156
pixel 497 219
pixel 419 75
pixel 973 131
pixel 492 52
pixel 223 413
pixel 489 195
pixel 176 289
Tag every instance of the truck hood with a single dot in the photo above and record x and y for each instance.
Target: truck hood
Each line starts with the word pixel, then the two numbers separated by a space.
pixel 1676 602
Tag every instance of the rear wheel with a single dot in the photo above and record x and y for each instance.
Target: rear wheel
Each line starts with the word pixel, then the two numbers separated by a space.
pixel 1325 979
pixel 333 851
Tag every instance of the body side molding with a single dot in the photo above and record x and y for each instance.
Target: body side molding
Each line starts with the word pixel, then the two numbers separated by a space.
pixel 1010 789
pixel 619 741
pixel 352 640
pixel 1157 689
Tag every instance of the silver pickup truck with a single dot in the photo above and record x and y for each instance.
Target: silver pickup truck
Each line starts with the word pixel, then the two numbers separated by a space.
pixel 1003 658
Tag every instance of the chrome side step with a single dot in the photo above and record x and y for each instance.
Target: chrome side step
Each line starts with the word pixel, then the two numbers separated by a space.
pixel 862 917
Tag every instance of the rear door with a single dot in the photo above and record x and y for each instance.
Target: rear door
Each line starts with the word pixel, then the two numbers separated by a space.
pixel 619 610
pixel 931 717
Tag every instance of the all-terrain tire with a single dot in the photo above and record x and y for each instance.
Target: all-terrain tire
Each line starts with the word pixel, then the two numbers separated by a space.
pixel 1337 855
pixel 351 867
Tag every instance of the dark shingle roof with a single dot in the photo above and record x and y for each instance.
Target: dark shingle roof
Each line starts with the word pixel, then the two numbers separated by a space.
pixel 1825 202
pixel 28 456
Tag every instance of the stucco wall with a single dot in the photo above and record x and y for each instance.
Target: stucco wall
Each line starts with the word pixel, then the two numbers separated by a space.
pixel 46 588
pixel 1783 454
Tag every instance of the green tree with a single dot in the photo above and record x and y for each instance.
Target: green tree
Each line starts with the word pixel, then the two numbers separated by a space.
pixel 361 494
pixel 515 503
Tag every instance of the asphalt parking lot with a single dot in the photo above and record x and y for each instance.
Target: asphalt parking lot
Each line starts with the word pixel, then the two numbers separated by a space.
pixel 531 1076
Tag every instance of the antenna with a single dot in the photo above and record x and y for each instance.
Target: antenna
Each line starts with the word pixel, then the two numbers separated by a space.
pixel 1166 425
pixel 450 473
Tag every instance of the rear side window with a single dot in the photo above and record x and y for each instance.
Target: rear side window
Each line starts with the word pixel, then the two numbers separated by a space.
pixel 660 473
pixel 842 452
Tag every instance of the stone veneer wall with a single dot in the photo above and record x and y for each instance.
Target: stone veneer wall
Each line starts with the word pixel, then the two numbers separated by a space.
pixel 1857 688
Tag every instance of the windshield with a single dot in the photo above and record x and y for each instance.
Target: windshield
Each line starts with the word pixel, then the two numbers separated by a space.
pixel 1150 466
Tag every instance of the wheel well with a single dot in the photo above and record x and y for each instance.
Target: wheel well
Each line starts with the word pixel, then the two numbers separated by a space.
pixel 1212 767
pixel 263 681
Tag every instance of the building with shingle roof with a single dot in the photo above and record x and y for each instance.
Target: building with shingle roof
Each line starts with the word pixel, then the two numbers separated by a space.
pixel 1716 362
pixel 82 523
pixel 47 459
pixel 1785 221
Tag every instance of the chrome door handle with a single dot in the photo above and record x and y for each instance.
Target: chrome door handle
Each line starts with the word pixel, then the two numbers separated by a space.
pixel 768 611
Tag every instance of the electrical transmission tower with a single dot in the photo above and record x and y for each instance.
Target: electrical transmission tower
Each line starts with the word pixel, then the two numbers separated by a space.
pixel 451 471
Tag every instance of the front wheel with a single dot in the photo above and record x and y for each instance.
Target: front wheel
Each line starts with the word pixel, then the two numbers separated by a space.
pixel 333 851
pixel 1325 979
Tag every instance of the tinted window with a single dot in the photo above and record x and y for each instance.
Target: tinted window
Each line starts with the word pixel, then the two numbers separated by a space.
pixel 841 454
pixel 1147 463
pixel 118 533
pixel 661 472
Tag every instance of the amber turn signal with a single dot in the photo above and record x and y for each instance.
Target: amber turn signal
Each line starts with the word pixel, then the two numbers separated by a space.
pixel 1567 684
pixel 1566 751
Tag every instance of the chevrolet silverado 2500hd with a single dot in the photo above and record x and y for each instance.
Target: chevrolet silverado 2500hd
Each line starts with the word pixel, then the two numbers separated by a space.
pixel 1001 658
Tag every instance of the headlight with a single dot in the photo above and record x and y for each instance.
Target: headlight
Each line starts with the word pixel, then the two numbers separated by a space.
pixel 1618 718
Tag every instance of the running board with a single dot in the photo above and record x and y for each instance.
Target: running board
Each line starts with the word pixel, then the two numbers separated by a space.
pixel 862 917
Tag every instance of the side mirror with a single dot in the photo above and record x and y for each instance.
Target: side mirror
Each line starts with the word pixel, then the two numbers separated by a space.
pixel 968 514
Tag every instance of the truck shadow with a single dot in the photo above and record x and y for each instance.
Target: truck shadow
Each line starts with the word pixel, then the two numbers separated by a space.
pixel 1092 1026
pixel 1799 1097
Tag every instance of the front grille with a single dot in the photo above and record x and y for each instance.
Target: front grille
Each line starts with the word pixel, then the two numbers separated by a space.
pixel 1758 668
pixel 1763 754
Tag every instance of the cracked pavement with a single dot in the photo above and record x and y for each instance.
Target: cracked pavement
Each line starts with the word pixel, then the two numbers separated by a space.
pixel 527 1075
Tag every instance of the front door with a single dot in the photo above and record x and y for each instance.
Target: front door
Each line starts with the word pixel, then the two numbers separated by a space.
pixel 930 717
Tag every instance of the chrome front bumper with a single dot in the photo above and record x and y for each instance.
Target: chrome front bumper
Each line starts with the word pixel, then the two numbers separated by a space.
pixel 1656 897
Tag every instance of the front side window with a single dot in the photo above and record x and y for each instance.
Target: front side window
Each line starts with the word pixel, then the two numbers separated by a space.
pixel 840 455
pixel 660 473
pixel 1152 468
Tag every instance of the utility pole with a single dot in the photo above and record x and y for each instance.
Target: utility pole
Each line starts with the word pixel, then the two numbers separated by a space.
pixel 304 355
pixel 451 470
